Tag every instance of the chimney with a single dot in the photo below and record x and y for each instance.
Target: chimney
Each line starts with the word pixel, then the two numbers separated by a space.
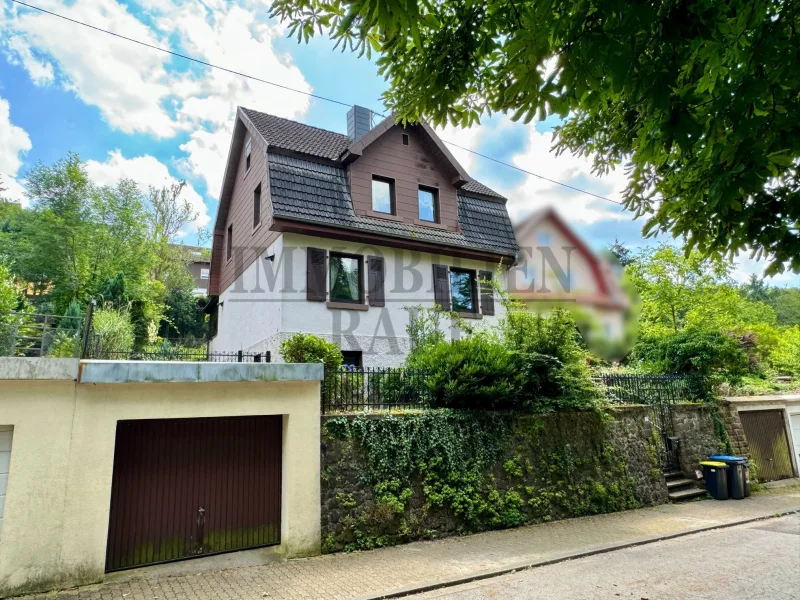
pixel 359 122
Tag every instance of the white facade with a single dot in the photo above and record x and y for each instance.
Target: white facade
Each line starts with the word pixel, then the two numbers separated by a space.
pixel 267 303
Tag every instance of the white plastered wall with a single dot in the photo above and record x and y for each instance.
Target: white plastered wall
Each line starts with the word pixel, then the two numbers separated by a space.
pixel 379 332
pixel 59 486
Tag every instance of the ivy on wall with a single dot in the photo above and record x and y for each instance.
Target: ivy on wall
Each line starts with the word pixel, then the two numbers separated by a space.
pixel 399 478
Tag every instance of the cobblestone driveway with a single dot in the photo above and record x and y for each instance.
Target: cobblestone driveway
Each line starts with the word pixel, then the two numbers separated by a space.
pixel 369 574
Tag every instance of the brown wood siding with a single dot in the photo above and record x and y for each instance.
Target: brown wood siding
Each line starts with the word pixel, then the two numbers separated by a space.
pixel 410 166
pixel 248 242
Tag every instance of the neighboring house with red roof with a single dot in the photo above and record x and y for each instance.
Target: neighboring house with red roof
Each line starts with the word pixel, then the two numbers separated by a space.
pixel 332 234
pixel 556 268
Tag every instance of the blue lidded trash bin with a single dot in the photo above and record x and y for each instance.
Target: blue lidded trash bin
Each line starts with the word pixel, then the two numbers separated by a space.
pixel 738 475
pixel 715 475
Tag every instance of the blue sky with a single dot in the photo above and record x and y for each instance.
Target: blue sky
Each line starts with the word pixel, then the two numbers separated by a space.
pixel 134 112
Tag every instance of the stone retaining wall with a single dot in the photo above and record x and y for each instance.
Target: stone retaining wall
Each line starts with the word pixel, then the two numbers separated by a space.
pixel 733 425
pixel 549 467
pixel 694 424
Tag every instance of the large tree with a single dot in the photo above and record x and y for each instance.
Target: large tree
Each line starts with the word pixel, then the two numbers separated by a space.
pixel 701 98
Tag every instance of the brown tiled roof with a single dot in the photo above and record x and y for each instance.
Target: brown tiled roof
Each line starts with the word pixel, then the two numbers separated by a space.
pixel 476 187
pixel 313 141
pixel 308 191
pixel 298 137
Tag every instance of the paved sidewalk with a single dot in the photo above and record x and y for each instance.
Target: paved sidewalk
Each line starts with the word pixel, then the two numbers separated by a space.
pixel 391 570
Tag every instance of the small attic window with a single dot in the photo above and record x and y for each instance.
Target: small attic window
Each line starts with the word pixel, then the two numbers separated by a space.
pixel 248 147
pixel 405 139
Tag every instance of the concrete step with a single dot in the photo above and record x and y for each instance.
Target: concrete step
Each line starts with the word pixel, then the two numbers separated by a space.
pixel 678 483
pixel 687 494
pixel 673 475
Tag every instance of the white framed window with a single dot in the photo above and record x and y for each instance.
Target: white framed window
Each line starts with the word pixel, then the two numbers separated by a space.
pixel 247 151
pixel 204 273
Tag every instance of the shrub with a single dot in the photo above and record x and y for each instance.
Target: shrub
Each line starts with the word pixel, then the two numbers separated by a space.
pixel 424 331
pixel 554 335
pixel 65 345
pixel 70 322
pixel 786 355
pixel 308 348
pixel 114 331
pixel 475 372
pixel 712 355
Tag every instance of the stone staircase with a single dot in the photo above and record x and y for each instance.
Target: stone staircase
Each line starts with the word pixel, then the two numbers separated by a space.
pixel 680 489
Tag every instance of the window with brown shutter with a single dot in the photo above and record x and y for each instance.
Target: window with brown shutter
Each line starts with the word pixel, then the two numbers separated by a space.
pixel 375 281
pixel 487 292
pixel 315 274
pixel 441 286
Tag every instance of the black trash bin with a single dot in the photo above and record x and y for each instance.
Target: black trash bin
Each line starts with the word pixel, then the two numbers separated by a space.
pixel 715 475
pixel 738 475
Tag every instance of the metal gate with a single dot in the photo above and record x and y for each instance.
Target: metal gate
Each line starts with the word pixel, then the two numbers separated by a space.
pixel 183 488
pixel 658 393
pixel 769 447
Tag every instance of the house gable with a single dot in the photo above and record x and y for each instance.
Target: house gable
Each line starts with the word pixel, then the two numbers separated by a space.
pixel 235 212
pixel 409 167
pixel 590 280
pixel 316 180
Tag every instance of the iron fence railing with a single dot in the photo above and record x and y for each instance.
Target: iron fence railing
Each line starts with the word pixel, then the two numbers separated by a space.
pixel 40 335
pixel 639 388
pixel 351 389
pixel 185 355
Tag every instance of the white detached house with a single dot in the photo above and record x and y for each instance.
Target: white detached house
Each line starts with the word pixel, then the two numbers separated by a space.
pixel 337 235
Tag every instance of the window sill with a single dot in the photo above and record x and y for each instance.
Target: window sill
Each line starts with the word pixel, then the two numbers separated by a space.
pixel 382 215
pixel 469 315
pixel 432 224
pixel 346 305
pixel 257 227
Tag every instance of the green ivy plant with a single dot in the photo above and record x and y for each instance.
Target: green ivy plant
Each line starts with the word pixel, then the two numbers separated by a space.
pixel 441 472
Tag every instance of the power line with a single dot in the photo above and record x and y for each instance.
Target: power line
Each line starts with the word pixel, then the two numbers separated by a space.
pixel 566 185
pixel 178 54
pixel 318 97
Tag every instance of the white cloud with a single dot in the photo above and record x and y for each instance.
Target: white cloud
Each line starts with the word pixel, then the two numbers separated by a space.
pixel 138 89
pixel 15 143
pixel 534 193
pixel 231 38
pixel 207 157
pixel 744 266
pixel 146 171
pixel 127 82
pixel 19 52
pixel 467 138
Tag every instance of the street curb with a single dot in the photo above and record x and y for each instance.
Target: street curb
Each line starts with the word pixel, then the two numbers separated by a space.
pixel 429 587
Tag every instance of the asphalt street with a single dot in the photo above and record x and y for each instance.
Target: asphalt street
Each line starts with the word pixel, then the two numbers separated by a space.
pixel 754 561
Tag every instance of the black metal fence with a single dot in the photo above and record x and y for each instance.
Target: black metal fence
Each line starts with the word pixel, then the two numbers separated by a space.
pixel 658 393
pixel 184 355
pixel 351 389
pixel 650 389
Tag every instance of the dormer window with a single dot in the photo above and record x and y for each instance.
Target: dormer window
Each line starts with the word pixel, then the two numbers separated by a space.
pixel 428 204
pixel 248 147
pixel 383 195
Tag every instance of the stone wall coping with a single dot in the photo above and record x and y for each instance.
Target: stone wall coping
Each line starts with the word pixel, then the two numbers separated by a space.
pixel 768 399
pixel 121 371
pixel 19 367
pixel 112 371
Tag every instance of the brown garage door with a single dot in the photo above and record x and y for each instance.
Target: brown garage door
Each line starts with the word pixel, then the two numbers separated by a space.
pixel 766 435
pixel 191 487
